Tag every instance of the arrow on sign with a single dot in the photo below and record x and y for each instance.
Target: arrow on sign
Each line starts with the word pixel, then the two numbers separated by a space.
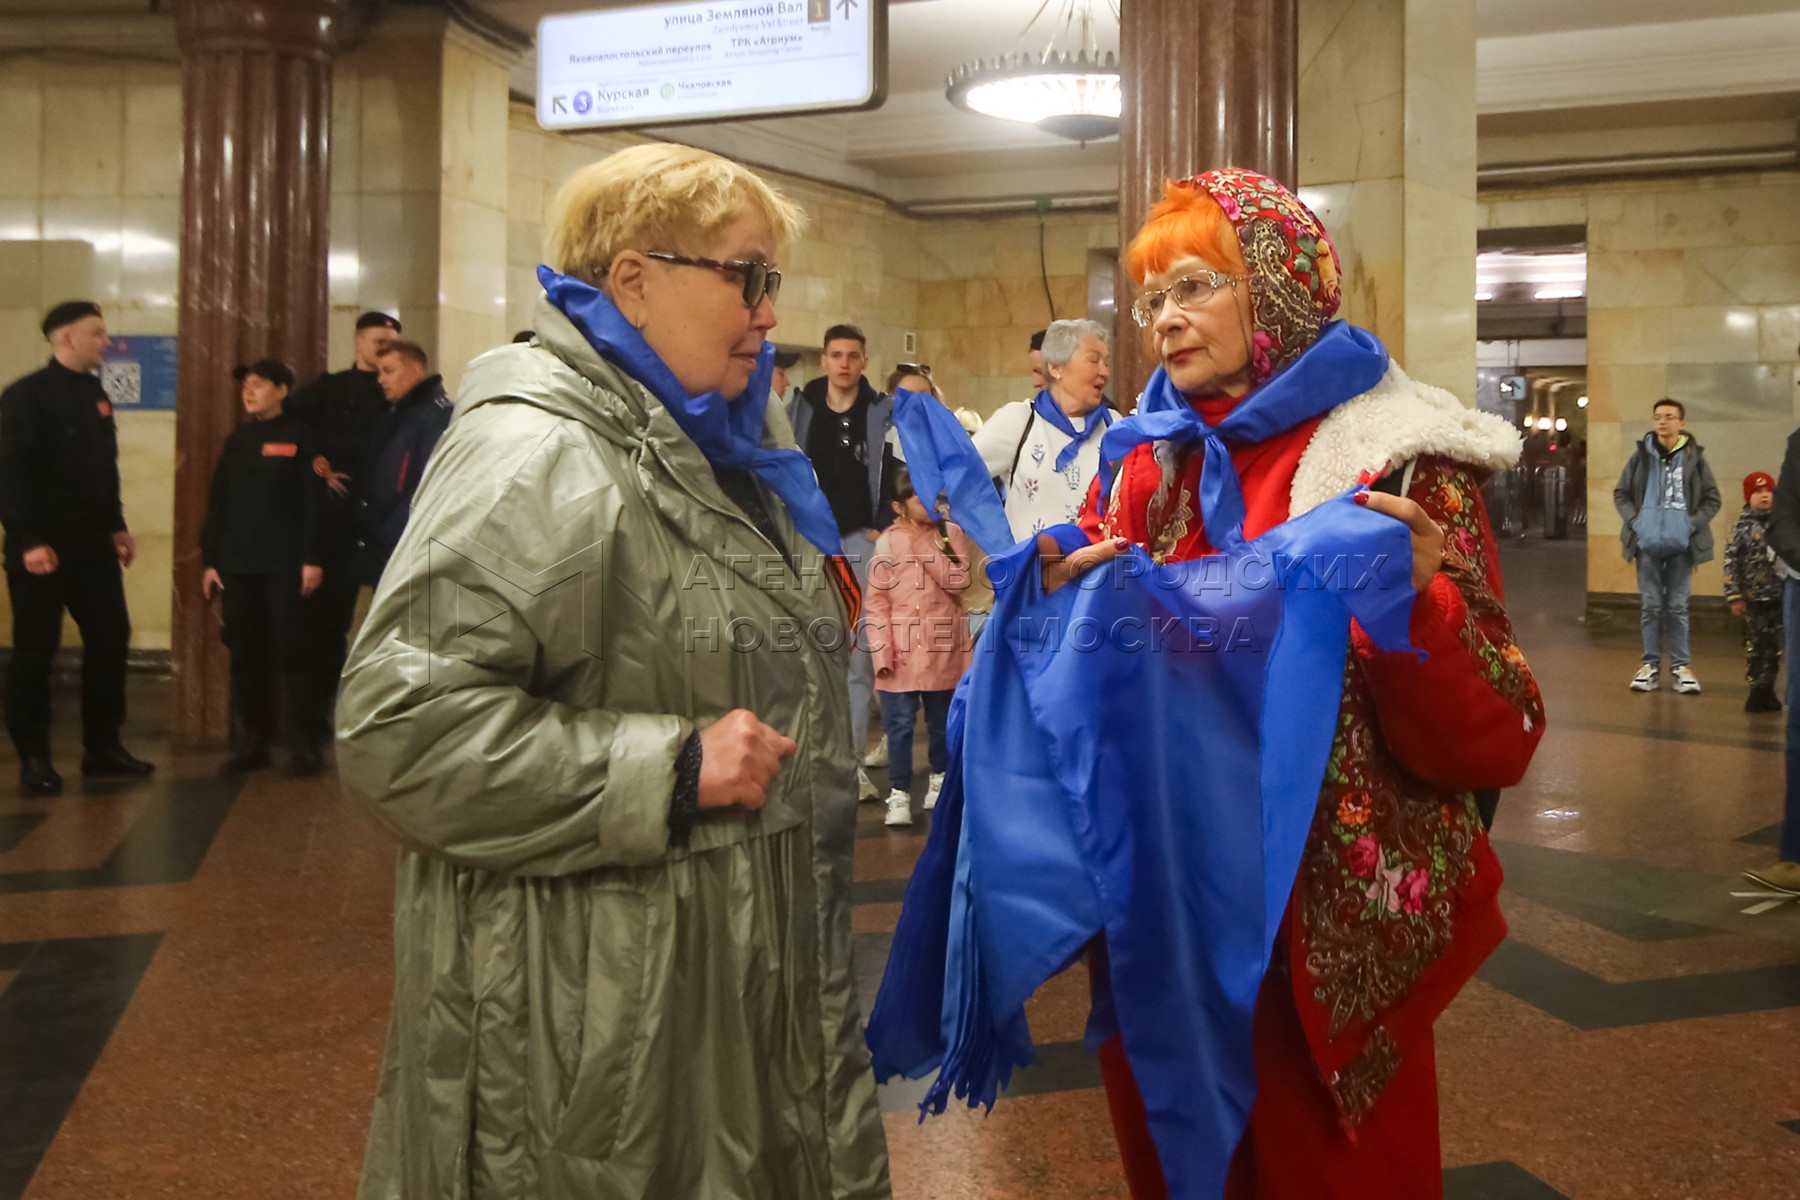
pixel 846 5
pixel 559 104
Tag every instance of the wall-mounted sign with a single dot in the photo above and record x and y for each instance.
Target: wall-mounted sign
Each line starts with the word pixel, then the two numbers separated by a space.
pixel 139 372
pixel 669 64
pixel 1513 387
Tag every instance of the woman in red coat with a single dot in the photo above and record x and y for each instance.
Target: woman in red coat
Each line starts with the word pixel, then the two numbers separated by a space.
pixel 1395 904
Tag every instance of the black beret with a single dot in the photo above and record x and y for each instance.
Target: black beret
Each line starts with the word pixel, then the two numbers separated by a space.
pixel 377 320
pixel 67 313
pixel 271 369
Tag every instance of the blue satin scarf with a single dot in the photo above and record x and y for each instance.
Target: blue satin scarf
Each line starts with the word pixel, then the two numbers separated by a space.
pixel 1050 411
pixel 1139 756
pixel 1344 362
pixel 942 460
pixel 728 432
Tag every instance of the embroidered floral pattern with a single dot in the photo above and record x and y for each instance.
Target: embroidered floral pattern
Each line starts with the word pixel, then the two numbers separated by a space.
pixel 1377 900
pixel 1360 1084
pixel 1294 269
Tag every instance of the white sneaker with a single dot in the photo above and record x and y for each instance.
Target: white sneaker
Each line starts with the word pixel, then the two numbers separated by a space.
pixel 931 793
pixel 878 757
pixel 1685 683
pixel 1645 679
pixel 865 787
pixel 899 806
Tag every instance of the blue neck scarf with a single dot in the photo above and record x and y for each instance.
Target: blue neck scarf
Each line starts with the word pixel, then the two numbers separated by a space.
pixel 1049 410
pixel 1345 361
pixel 728 432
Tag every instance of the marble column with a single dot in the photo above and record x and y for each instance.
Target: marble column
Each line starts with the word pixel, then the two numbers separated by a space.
pixel 1207 83
pixel 1387 160
pixel 255 206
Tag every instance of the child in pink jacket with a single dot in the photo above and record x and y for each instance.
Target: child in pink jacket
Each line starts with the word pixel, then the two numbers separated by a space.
pixel 918 637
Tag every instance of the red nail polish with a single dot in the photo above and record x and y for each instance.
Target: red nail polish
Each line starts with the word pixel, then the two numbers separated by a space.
pixel 1361 498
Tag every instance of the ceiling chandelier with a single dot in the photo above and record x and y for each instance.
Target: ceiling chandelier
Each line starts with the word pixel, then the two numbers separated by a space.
pixel 1070 89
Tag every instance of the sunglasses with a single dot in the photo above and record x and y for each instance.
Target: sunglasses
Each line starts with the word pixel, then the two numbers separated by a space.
pixel 914 369
pixel 760 279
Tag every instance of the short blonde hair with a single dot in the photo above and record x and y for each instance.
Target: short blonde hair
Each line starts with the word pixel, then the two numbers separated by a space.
pixel 655 197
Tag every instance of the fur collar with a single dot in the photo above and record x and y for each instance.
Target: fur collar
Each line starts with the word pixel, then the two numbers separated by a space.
pixel 1396 421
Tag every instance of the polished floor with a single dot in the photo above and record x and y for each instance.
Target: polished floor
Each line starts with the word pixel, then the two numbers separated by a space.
pixel 194 975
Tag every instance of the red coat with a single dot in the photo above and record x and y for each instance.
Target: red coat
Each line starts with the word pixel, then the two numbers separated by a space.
pixel 1396 901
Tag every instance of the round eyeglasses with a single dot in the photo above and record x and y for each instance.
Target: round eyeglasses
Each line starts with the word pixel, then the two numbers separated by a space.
pixel 1190 291
pixel 760 279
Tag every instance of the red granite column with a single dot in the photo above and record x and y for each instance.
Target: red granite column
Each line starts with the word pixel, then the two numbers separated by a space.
pixel 1207 83
pixel 255 206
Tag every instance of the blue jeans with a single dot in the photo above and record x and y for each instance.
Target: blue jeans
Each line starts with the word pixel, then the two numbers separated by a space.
pixel 1790 825
pixel 1663 587
pixel 898 712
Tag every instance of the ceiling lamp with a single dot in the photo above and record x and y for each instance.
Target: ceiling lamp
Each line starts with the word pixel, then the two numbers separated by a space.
pixel 1071 91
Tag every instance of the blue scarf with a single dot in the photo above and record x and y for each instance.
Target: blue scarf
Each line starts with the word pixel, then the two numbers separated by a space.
pixel 942 460
pixel 1049 410
pixel 1345 361
pixel 728 432
pixel 1172 816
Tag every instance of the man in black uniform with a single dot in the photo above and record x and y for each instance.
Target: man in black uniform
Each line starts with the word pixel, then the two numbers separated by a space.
pixel 260 547
pixel 66 545
pixel 345 410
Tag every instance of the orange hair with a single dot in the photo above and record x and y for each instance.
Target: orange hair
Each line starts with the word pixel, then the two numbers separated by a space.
pixel 1186 223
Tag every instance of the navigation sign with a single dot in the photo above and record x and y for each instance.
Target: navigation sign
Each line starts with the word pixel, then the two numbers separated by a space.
pixel 717 60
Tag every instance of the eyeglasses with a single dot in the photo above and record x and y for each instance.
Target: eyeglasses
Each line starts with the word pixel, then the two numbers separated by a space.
pixel 760 278
pixel 914 369
pixel 1190 291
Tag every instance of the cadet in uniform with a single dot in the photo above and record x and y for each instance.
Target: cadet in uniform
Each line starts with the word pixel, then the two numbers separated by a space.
pixel 66 546
pixel 344 410
pixel 261 549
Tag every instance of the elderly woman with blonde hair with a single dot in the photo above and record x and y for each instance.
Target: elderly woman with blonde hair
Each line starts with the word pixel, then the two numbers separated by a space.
pixel 599 701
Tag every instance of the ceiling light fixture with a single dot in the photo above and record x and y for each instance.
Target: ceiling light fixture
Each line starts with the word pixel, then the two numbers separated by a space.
pixel 1553 293
pixel 1071 90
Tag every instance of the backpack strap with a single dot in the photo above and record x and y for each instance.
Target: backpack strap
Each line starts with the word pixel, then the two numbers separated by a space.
pixel 1020 448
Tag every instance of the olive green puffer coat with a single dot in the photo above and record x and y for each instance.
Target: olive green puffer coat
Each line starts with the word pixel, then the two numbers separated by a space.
pixel 580 1009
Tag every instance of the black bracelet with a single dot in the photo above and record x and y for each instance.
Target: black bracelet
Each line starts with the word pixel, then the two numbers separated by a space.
pixel 684 804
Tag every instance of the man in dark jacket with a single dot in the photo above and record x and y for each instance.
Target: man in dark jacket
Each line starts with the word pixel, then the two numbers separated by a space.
pixel 344 409
pixel 842 424
pixel 260 546
pixel 1667 498
pixel 418 413
pixel 1784 539
pixel 66 547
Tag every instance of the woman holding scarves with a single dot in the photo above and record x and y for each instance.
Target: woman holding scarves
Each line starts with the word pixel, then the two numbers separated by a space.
pixel 1263 415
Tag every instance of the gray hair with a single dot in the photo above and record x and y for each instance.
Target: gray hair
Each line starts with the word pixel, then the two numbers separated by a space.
pixel 1063 338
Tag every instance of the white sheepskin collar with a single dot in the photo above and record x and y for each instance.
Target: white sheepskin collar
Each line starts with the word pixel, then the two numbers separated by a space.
pixel 1396 421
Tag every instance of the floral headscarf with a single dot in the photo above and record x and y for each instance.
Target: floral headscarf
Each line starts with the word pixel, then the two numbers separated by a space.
pixel 1293 266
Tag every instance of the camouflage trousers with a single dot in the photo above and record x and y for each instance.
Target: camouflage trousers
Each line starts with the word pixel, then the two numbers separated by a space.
pixel 1762 642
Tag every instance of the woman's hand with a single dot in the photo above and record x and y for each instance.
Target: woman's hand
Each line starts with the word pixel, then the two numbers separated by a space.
pixel 210 584
pixel 739 755
pixel 1059 569
pixel 1427 534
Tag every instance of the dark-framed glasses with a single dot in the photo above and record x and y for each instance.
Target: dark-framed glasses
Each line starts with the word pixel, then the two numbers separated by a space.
pixel 914 369
pixel 1190 291
pixel 760 279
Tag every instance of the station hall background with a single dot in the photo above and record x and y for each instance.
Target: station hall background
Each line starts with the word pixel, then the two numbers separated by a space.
pixel 195 973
